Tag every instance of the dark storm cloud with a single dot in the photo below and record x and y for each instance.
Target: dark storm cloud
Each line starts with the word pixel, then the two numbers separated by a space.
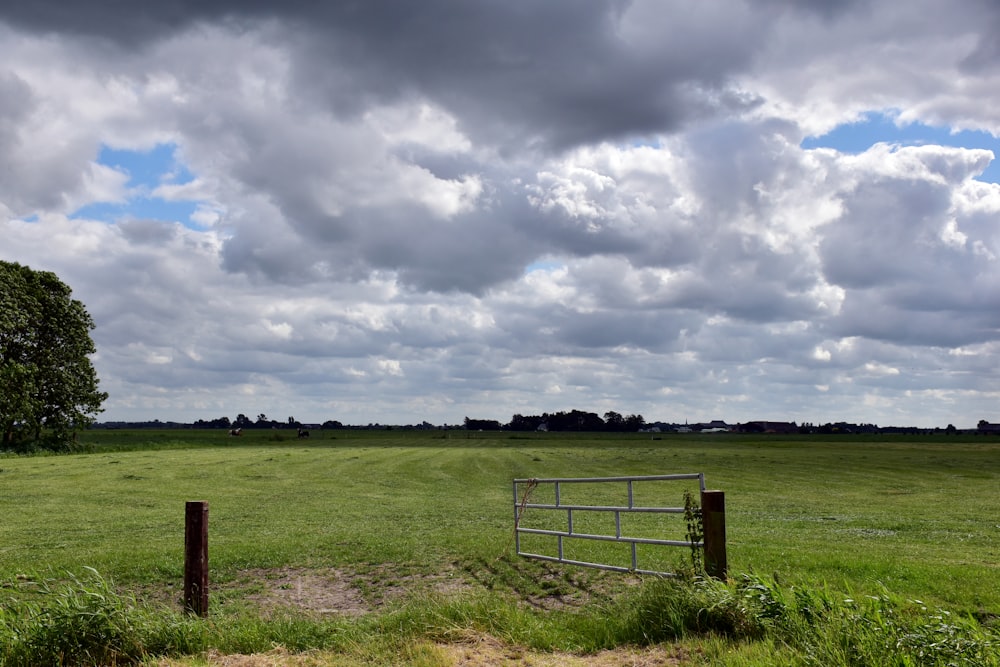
pixel 986 55
pixel 827 9
pixel 868 315
pixel 126 23
pixel 551 74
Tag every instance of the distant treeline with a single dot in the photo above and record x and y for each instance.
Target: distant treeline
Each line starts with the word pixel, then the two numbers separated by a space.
pixel 241 421
pixel 574 420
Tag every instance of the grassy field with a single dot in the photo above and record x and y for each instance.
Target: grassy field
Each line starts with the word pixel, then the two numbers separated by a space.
pixel 918 517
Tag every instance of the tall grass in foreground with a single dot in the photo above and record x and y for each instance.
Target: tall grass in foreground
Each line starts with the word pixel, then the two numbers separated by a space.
pixel 753 621
pixel 817 625
pixel 84 621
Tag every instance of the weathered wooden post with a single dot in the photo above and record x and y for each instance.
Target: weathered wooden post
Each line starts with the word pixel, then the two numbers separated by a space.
pixel 713 518
pixel 196 557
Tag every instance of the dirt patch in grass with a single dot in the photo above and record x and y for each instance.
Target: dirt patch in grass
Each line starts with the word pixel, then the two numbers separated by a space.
pixel 327 591
pixel 337 591
pixel 344 591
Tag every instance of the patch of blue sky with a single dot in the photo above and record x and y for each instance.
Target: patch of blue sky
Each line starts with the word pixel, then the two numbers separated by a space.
pixel 646 142
pixel 544 265
pixel 881 127
pixel 140 208
pixel 147 170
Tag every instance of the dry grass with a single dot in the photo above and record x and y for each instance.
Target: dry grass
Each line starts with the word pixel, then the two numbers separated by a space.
pixel 482 650
pixel 473 651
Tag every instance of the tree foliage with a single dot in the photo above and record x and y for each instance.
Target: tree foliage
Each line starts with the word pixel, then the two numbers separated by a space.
pixel 576 420
pixel 482 424
pixel 48 385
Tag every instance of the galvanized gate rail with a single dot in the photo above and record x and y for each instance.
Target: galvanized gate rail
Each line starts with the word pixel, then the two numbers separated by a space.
pixel 712 551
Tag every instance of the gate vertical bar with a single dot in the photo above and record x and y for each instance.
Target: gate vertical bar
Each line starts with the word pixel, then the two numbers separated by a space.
pixel 713 517
pixel 196 557
pixel 517 522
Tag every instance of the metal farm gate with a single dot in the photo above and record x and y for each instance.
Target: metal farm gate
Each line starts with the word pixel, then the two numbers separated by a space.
pixel 712 517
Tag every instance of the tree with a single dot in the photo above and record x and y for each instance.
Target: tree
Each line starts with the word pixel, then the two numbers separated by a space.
pixel 48 385
pixel 482 424
pixel 525 423
pixel 574 420
pixel 634 422
pixel 221 422
pixel 613 421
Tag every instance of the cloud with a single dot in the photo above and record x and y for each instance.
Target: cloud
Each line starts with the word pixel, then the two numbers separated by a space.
pixel 907 248
pixel 407 213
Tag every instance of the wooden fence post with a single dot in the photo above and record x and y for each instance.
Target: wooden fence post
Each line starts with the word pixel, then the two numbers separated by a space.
pixel 713 518
pixel 196 557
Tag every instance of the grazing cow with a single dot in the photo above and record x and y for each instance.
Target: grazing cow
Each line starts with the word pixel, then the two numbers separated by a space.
pixel 303 433
pixel 236 431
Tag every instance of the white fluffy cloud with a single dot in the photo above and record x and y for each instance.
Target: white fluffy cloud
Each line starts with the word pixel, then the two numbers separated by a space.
pixel 480 211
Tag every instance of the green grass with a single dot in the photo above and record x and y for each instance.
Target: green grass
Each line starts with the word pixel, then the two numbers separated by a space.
pixel 918 518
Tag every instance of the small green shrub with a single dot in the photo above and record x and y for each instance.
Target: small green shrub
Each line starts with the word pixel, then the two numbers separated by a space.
pixel 670 609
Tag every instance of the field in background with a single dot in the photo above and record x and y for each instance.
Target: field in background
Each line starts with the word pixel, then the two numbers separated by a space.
pixel 920 517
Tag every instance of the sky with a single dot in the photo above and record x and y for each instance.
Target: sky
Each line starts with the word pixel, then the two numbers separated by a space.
pixel 391 212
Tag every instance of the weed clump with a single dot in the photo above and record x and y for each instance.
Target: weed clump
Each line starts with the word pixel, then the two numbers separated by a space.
pixel 84 621
pixel 821 626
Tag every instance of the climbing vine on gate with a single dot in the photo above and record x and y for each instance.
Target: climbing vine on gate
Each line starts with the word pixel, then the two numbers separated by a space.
pixel 694 532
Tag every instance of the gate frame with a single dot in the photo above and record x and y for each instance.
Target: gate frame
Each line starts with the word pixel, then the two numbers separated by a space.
pixel 712 520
